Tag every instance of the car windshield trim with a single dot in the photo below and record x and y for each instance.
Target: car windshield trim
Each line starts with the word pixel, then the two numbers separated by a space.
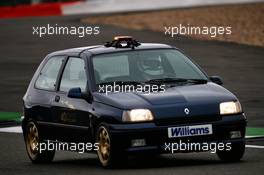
pixel 177 80
pixel 121 82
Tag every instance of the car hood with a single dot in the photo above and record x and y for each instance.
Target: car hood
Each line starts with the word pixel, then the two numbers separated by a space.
pixel 202 99
pixel 204 93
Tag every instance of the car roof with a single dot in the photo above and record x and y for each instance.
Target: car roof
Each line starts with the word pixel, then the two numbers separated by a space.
pixel 100 49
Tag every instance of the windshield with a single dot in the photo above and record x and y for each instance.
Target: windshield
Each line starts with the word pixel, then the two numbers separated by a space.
pixel 144 66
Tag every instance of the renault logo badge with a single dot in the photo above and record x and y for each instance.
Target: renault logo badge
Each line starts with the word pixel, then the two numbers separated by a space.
pixel 187 111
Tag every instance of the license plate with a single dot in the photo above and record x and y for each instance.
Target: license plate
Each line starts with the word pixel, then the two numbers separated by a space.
pixel 186 131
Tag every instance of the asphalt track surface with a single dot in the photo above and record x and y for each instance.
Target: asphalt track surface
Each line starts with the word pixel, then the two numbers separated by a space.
pixel 240 66
pixel 14 160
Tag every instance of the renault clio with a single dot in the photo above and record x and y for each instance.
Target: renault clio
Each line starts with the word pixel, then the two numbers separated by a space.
pixel 128 97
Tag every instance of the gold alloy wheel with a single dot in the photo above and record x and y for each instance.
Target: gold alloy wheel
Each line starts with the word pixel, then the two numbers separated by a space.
pixel 32 140
pixel 103 139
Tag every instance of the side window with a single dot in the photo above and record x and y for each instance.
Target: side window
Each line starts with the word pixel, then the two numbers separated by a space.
pixel 74 75
pixel 48 75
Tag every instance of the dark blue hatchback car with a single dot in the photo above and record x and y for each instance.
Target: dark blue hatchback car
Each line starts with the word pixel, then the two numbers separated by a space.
pixel 127 97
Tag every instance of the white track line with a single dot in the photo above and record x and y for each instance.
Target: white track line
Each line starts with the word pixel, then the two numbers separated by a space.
pixel 254 146
pixel 13 129
pixel 257 136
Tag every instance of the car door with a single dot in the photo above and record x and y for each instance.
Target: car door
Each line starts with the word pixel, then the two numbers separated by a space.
pixel 72 115
pixel 44 92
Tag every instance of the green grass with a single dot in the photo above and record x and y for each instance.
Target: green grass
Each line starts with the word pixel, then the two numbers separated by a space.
pixel 254 131
pixel 10 116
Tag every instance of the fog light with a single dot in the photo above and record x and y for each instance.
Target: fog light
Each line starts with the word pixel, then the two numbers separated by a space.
pixel 138 142
pixel 235 134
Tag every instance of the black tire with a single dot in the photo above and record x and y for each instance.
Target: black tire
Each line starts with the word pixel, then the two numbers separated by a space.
pixel 32 140
pixel 108 155
pixel 233 155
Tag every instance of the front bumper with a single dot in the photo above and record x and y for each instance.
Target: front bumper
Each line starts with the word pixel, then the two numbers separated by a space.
pixel 156 136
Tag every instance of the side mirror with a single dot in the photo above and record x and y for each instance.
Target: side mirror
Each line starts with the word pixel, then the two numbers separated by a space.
pixel 216 79
pixel 75 93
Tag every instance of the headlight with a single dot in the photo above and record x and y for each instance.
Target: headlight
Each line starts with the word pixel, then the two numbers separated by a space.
pixel 230 108
pixel 137 115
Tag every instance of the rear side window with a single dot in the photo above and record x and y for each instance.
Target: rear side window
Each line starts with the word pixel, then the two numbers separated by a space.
pixel 48 75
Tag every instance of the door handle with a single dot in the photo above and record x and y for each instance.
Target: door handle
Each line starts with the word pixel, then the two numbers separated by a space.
pixel 57 98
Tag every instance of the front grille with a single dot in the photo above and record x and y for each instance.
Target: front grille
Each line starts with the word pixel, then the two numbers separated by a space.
pixel 186 119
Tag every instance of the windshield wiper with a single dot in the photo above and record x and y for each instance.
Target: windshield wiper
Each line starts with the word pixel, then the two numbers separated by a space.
pixel 121 83
pixel 176 80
